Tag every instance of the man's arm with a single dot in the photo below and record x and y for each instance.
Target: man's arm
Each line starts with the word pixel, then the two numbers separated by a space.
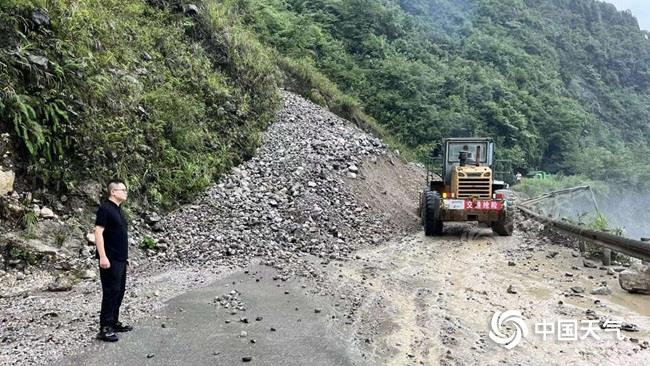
pixel 99 243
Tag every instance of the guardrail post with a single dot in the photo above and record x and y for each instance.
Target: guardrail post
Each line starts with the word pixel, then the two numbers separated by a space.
pixel 582 247
pixel 607 256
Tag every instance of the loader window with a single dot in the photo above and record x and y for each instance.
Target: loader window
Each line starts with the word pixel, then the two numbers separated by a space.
pixel 470 147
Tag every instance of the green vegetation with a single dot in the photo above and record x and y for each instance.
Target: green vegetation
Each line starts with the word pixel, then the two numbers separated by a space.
pixel 28 222
pixel 25 255
pixel 148 243
pixel 600 223
pixel 562 85
pixel 129 89
pixel 531 187
pixel 169 100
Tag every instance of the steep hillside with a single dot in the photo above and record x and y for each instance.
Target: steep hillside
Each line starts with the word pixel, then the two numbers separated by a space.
pixel 170 94
pixel 167 96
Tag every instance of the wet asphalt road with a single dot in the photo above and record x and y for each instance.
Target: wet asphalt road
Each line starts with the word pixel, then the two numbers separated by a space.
pixel 195 331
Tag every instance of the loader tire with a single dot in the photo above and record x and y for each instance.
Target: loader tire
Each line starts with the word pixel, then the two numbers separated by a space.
pixel 506 225
pixel 431 214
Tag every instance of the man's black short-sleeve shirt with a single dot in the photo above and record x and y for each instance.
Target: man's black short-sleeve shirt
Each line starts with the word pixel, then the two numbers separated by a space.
pixel 116 240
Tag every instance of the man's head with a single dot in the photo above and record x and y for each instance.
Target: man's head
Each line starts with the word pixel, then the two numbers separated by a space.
pixel 117 191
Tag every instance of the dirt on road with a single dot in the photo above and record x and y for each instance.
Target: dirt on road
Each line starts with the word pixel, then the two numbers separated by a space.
pixel 415 301
pixel 429 301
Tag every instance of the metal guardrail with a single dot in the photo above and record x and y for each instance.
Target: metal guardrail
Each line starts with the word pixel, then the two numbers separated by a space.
pixel 633 248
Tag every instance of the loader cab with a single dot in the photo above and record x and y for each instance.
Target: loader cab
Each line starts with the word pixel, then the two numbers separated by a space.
pixel 465 151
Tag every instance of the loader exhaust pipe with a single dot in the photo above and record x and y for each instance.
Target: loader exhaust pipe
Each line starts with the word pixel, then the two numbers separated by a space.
pixel 477 158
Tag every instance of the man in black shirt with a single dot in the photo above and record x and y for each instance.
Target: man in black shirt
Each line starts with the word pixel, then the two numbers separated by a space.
pixel 111 239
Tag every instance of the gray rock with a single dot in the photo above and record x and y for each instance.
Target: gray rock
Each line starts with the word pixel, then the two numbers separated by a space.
pixel 37 60
pixel 602 290
pixel 92 191
pixel 46 213
pixel 191 10
pixel 41 18
pixel 31 245
pixel 635 280
pixel 157 227
pixel 88 274
pixel 61 284
pixel 578 289
pixel 6 181
pixel 152 218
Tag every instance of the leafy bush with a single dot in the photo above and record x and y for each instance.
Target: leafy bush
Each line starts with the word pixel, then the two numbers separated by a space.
pixel 148 243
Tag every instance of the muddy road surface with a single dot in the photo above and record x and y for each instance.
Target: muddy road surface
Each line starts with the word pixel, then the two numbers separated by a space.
pixel 415 301
pixel 430 301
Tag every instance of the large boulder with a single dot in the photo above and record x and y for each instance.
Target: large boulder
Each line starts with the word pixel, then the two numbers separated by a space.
pixel 27 244
pixel 6 181
pixel 47 238
pixel 92 191
pixel 636 279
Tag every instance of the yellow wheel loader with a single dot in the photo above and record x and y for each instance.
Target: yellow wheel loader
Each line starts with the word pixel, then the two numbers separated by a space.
pixel 468 190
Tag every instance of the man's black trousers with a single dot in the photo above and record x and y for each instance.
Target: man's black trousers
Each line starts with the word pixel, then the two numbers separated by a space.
pixel 113 285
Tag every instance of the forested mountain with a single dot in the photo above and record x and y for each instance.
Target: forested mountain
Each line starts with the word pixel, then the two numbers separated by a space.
pixel 562 84
pixel 170 94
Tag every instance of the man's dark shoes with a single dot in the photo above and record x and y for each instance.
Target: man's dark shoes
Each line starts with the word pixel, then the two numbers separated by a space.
pixel 121 328
pixel 107 334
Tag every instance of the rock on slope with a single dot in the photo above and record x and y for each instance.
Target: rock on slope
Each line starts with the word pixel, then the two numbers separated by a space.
pixel 306 191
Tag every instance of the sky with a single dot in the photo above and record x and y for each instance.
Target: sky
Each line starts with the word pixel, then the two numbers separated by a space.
pixel 640 9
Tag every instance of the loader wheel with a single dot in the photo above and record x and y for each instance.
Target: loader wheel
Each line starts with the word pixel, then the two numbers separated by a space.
pixel 423 200
pixel 506 225
pixel 431 214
